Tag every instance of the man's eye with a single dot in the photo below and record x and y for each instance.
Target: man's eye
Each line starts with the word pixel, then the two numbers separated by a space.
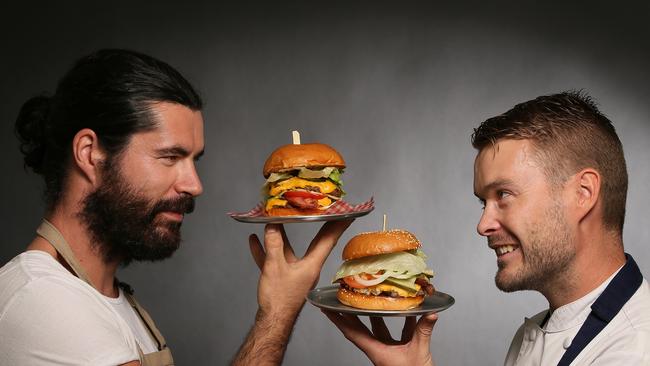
pixel 170 158
pixel 503 194
pixel 482 202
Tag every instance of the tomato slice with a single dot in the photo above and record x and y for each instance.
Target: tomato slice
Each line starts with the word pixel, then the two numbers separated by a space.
pixel 349 280
pixel 363 280
pixel 303 194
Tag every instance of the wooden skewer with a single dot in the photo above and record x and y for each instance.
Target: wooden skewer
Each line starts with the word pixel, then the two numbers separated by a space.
pixel 296 137
pixel 384 229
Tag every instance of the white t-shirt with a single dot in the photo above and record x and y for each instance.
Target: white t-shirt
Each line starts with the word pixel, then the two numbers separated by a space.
pixel 50 317
pixel 624 341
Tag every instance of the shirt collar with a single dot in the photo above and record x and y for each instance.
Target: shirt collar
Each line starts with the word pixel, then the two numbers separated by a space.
pixel 570 315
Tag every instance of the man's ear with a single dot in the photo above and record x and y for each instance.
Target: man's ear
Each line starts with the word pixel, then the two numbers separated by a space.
pixel 87 155
pixel 588 184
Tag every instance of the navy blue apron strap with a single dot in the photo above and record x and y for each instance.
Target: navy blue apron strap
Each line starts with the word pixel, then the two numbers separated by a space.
pixel 605 308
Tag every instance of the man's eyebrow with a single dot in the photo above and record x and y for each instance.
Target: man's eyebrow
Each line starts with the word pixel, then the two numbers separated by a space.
pixel 173 150
pixel 178 151
pixel 493 185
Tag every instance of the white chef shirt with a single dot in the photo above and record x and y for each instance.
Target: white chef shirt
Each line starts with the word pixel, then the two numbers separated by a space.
pixel 624 341
pixel 50 317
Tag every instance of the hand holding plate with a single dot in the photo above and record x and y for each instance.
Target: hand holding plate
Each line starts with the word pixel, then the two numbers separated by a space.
pixel 412 349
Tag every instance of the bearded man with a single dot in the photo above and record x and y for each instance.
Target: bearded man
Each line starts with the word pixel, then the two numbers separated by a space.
pixel 117 145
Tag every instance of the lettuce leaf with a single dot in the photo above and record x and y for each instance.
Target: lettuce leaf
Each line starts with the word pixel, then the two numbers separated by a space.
pixel 335 176
pixel 400 265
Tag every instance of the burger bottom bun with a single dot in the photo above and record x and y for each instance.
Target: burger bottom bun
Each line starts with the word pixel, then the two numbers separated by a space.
pixel 371 302
pixel 283 211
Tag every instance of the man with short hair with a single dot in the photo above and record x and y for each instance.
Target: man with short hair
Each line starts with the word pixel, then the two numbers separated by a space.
pixel 117 146
pixel 552 179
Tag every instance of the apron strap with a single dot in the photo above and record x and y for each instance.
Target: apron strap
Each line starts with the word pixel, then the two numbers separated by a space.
pixel 164 355
pixel 48 232
pixel 161 358
pixel 146 318
pixel 605 308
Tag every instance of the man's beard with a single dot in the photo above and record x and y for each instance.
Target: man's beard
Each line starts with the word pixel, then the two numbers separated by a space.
pixel 547 255
pixel 124 225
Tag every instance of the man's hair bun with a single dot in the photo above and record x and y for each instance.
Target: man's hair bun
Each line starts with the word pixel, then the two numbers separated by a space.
pixel 31 126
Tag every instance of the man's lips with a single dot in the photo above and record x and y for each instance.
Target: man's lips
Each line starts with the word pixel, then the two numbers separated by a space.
pixel 175 216
pixel 504 249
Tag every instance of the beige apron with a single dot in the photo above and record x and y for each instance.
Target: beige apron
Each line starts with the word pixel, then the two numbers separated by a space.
pixel 161 358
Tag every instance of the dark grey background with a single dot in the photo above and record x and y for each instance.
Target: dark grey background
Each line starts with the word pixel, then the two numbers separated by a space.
pixel 396 89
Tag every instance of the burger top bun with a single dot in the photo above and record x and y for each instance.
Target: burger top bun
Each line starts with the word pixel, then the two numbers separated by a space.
pixel 294 156
pixel 379 242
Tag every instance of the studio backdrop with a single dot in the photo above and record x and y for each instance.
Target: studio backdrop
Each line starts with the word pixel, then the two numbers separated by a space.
pixel 397 89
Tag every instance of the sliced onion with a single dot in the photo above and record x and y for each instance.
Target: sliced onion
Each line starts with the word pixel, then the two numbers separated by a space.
pixel 375 281
pixel 315 174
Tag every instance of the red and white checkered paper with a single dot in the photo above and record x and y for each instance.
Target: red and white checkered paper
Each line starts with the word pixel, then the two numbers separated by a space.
pixel 338 208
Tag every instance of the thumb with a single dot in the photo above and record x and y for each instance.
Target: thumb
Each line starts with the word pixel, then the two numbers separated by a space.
pixel 424 329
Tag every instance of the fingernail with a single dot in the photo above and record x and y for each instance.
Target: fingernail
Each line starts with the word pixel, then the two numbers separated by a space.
pixel 272 229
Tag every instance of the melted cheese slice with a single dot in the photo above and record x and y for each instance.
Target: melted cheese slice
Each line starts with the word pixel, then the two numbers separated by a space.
pixel 295 182
pixel 400 291
pixel 275 202
pixel 324 202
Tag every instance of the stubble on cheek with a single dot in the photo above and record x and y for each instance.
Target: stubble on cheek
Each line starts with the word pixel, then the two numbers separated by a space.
pixel 546 254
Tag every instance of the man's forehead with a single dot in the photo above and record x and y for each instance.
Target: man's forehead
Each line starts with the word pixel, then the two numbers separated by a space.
pixel 502 160
pixel 507 152
pixel 177 125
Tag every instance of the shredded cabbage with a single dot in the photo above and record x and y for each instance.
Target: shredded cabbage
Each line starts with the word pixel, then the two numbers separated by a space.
pixel 400 265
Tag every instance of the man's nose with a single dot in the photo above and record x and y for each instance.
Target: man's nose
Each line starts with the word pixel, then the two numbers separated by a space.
pixel 189 182
pixel 489 222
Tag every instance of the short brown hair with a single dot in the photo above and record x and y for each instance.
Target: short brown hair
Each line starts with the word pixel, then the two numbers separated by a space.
pixel 568 133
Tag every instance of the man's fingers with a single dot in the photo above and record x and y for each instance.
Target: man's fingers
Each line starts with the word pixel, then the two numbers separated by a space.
pixel 352 328
pixel 256 250
pixel 289 255
pixel 325 240
pixel 273 243
pixel 424 328
pixel 380 330
pixel 409 328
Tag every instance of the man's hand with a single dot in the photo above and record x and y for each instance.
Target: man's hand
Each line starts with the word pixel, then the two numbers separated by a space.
pixel 285 279
pixel 379 346
pixel 283 286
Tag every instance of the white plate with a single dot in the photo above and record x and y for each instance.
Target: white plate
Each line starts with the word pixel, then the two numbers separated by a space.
pixel 290 219
pixel 325 298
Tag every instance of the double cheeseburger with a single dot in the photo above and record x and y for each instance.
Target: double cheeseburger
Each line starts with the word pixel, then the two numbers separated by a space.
pixel 383 270
pixel 302 179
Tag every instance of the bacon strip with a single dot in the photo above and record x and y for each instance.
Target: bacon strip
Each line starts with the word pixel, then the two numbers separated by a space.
pixel 426 286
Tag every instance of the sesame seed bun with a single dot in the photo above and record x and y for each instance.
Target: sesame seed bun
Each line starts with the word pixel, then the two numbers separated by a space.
pixel 379 242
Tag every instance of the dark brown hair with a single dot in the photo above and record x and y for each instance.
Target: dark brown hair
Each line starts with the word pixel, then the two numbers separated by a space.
pixel 568 133
pixel 111 92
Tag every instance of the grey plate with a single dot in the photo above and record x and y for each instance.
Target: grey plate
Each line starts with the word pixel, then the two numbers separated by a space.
pixel 325 298
pixel 290 219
